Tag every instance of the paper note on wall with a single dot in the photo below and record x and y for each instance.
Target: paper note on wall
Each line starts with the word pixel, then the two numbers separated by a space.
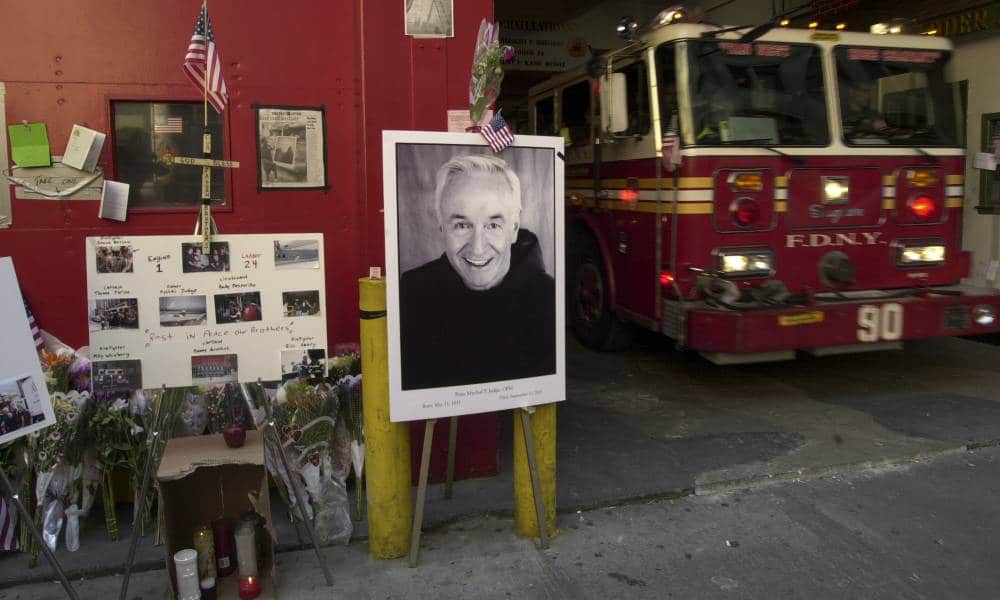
pixel 114 201
pixel 29 145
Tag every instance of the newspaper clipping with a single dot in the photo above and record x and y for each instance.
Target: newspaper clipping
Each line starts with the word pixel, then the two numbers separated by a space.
pixel 291 148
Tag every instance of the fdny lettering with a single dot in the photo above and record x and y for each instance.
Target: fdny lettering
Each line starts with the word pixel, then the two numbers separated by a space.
pixel 819 240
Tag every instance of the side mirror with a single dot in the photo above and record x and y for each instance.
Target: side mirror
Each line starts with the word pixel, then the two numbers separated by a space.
pixel 614 108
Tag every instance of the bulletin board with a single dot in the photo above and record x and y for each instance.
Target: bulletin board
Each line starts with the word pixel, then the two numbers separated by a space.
pixel 162 312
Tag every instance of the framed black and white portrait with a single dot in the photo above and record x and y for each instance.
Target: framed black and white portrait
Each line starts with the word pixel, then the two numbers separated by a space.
pixel 291 147
pixel 475 284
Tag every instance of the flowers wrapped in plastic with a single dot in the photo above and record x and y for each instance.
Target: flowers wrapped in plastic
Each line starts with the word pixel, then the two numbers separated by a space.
pixel 487 69
pixel 345 370
pixel 306 420
pixel 58 451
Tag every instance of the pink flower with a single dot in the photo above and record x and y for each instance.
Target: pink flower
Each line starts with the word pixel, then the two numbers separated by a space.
pixel 508 53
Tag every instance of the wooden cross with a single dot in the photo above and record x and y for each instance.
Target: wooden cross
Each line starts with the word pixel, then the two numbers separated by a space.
pixel 206 163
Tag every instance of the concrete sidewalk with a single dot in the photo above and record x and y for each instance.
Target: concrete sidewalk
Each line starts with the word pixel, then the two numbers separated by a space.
pixel 899 532
pixel 655 424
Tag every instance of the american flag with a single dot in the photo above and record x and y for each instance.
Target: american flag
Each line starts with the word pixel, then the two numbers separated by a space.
pixel 497 133
pixel 202 62
pixel 8 528
pixel 36 332
pixel 168 125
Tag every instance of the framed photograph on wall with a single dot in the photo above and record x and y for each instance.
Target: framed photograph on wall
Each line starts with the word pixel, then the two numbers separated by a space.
pixel 291 147
pixel 474 278
pixel 430 18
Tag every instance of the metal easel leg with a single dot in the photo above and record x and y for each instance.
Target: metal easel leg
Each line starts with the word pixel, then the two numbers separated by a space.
pixel 452 442
pixel 296 488
pixel 8 491
pixel 151 459
pixel 418 515
pixel 536 485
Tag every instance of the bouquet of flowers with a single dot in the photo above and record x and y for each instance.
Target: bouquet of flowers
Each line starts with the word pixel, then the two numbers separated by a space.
pixel 487 69
pixel 306 419
pixel 345 370
pixel 58 451
pixel 115 433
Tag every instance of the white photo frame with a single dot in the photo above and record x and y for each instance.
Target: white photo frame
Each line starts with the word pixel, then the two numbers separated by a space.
pixel 25 405
pixel 437 367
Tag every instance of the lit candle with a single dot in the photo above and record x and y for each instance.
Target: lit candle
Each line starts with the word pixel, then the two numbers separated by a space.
pixel 246 549
pixel 249 588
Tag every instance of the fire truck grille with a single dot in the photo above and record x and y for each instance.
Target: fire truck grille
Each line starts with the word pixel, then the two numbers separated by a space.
pixel 957 317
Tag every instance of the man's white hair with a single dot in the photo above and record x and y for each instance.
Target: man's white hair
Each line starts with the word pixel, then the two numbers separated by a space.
pixel 480 164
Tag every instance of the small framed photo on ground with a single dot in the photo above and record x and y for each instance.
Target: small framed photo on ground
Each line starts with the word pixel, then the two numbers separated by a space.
pixel 474 278
pixel 22 405
pixel 291 147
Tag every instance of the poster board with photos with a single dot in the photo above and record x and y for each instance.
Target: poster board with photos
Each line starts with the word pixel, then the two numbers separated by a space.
pixel 291 147
pixel 162 312
pixel 475 325
pixel 25 406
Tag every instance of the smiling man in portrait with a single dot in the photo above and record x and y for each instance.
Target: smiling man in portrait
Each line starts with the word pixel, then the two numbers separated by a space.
pixel 485 309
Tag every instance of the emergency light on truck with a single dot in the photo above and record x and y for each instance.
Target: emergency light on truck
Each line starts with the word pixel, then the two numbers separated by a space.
pixel 745 263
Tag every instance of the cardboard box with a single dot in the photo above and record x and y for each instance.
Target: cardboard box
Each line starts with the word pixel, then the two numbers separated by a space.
pixel 202 479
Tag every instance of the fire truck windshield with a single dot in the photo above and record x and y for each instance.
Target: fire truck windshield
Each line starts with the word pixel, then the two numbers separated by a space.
pixel 895 96
pixel 757 94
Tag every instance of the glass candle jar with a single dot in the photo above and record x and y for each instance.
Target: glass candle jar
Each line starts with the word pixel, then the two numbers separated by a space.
pixel 204 543
pixel 225 561
pixel 246 549
pixel 186 570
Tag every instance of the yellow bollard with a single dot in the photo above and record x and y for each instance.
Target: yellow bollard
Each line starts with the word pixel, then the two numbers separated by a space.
pixel 543 425
pixel 387 445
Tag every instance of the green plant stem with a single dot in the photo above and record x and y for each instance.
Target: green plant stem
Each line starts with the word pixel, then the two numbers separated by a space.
pixel 110 518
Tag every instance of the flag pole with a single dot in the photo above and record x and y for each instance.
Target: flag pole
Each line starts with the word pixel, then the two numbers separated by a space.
pixel 207 66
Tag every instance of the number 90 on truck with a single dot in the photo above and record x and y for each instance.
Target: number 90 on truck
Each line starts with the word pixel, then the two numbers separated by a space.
pixel 756 195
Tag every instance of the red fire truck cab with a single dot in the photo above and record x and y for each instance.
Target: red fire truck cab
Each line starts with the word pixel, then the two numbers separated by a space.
pixel 755 196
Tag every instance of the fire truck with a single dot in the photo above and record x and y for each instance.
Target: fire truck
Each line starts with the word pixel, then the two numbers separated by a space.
pixel 755 192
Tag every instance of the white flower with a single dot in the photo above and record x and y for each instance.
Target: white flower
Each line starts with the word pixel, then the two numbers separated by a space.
pixel 43 455
pixel 55 435
pixel 136 430
pixel 119 405
pixel 282 396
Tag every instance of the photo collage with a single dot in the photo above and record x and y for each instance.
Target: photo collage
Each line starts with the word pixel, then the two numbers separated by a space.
pixel 201 298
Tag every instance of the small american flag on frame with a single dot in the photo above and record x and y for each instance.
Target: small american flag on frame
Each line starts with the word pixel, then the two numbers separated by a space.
pixel 497 133
pixel 36 332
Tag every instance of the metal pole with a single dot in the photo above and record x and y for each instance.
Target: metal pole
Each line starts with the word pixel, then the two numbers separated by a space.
pixel 418 518
pixel 9 492
pixel 452 442
pixel 138 514
pixel 299 497
pixel 536 485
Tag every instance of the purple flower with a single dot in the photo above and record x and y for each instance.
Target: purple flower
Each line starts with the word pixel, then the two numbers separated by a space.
pixel 508 54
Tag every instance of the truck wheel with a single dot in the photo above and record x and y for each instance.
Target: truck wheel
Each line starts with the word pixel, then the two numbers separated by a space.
pixel 589 303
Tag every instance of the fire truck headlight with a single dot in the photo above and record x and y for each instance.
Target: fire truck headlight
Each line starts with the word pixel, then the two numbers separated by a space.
pixel 984 315
pixel 744 263
pixel 836 190
pixel 920 255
